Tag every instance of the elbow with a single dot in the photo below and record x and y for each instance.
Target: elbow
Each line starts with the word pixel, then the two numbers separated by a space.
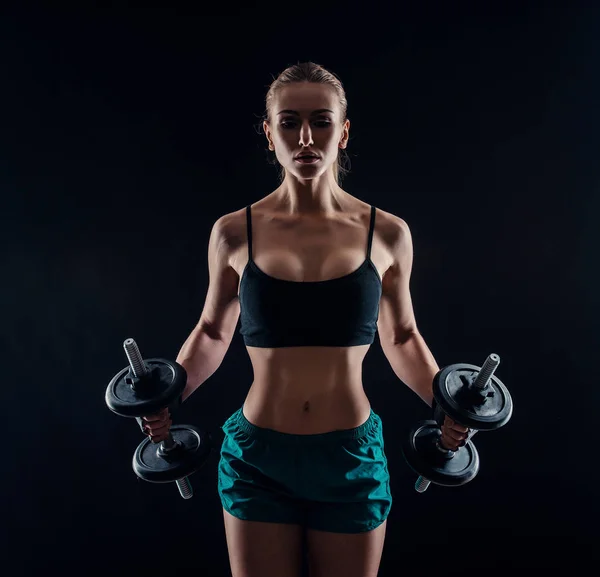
pixel 405 335
pixel 210 331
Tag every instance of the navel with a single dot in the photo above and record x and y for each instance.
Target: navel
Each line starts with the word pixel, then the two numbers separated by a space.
pixel 307 407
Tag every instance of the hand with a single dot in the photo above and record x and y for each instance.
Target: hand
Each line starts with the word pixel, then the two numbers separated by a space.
pixel 156 427
pixel 453 435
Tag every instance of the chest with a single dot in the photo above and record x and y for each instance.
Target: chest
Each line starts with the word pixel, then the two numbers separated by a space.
pixel 311 251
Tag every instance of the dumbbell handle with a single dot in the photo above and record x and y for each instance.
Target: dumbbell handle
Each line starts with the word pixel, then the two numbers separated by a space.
pixel 480 382
pixel 422 483
pixel 139 369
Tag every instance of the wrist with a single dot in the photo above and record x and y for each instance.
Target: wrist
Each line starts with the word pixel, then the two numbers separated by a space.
pixel 175 404
pixel 438 415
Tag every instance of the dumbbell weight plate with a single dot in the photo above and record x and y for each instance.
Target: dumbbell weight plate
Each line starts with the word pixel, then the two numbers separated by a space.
pixel 149 398
pixel 427 460
pixel 193 453
pixel 450 386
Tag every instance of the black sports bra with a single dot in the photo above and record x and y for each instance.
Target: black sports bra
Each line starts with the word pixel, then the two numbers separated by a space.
pixel 340 312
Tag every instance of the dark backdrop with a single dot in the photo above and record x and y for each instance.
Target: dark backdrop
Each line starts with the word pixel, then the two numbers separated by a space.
pixel 127 130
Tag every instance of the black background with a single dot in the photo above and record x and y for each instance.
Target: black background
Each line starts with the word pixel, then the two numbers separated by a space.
pixel 127 129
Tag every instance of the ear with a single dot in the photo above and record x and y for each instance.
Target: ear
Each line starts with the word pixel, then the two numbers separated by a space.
pixel 345 134
pixel 267 132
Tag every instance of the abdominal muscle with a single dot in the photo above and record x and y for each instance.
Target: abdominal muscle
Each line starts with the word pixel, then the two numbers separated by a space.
pixel 307 390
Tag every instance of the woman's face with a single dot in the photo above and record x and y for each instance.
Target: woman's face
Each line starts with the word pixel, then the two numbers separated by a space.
pixel 306 118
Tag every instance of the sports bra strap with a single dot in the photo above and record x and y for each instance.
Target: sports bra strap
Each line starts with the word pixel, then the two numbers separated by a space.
pixel 249 230
pixel 371 229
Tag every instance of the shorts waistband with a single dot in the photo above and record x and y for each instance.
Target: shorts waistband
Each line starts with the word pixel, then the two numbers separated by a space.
pixel 239 420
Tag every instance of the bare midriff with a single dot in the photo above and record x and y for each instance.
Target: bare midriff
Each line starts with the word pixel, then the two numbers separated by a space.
pixel 307 390
pixel 310 389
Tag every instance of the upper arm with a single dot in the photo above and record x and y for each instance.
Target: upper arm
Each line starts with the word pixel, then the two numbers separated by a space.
pixel 221 308
pixel 396 316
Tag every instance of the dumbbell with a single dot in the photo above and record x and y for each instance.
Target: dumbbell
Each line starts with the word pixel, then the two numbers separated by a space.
pixel 471 396
pixel 146 387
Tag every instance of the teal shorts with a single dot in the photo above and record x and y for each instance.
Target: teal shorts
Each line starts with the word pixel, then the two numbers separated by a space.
pixel 336 481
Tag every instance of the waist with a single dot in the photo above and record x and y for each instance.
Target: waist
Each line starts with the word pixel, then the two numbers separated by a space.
pixel 306 410
pixel 307 390
pixel 330 436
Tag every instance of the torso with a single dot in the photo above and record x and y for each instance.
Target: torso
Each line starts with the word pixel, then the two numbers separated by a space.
pixel 308 390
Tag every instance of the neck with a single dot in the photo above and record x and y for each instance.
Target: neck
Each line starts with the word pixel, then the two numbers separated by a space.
pixel 319 196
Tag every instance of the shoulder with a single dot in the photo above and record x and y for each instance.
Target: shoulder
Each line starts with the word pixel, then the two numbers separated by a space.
pixel 393 230
pixel 228 237
pixel 230 228
pixel 233 226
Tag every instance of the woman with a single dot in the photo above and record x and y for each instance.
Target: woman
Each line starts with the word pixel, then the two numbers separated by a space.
pixel 315 273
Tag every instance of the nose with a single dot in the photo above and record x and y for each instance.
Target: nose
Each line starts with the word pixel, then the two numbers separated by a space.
pixel 305 135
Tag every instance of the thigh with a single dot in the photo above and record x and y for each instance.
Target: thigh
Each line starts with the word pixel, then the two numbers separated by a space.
pixel 345 554
pixel 258 549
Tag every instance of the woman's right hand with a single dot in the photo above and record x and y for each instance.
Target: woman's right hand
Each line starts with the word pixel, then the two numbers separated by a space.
pixel 157 426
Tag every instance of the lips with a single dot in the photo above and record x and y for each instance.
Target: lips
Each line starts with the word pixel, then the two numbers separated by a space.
pixel 306 155
pixel 307 159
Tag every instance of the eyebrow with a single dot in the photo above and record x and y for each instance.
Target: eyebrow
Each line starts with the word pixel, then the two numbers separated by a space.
pixel 312 113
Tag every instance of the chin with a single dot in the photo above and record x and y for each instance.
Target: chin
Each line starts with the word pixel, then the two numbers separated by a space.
pixel 309 172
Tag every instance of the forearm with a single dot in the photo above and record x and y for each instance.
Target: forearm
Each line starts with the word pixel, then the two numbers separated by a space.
pixel 200 355
pixel 414 364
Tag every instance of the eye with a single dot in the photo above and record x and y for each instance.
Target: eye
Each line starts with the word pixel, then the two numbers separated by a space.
pixel 322 123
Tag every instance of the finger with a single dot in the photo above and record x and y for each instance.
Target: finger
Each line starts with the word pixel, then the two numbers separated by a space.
pixel 460 428
pixel 458 434
pixel 162 416
pixel 454 442
pixel 452 424
pixel 151 418
pixel 158 439
pixel 156 430
pixel 159 429
pixel 449 444
pixel 452 434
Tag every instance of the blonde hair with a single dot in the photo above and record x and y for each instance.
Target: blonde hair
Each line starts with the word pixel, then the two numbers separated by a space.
pixel 311 72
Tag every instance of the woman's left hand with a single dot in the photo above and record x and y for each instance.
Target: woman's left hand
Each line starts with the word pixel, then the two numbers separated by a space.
pixel 453 435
